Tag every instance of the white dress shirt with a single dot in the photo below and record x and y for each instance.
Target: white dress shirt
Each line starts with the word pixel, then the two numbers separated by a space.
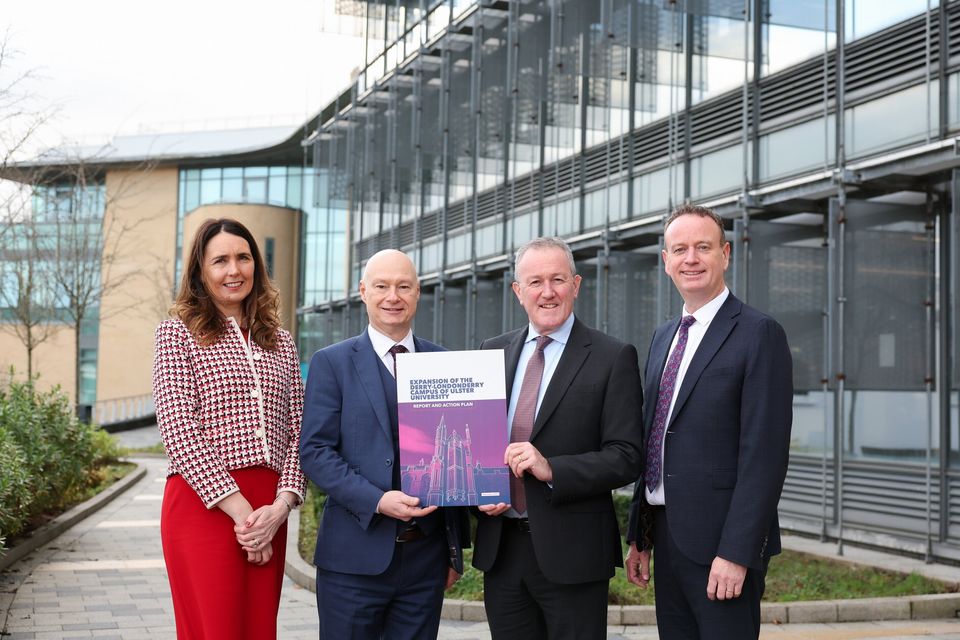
pixel 703 317
pixel 382 345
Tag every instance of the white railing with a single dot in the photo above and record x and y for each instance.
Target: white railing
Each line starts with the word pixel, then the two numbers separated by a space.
pixel 116 410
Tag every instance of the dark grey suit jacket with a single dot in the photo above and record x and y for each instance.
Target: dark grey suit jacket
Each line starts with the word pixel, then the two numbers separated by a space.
pixel 589 428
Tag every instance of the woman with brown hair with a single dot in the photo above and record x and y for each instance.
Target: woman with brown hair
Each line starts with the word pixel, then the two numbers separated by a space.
pixel 229 398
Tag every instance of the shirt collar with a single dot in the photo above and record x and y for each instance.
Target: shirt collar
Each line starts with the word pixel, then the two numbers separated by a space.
pixel 382 343
pixel 705 314
pixel 561 335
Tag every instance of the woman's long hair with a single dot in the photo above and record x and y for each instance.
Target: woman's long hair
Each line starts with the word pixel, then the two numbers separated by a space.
pixel 196 308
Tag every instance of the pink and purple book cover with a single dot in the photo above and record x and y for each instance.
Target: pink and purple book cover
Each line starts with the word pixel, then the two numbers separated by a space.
pixel 453 427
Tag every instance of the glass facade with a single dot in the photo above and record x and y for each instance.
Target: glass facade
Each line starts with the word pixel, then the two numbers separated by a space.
pixel 822 130
pixel 50 266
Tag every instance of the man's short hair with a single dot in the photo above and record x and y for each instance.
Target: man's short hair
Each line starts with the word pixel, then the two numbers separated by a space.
pixel 696 210
pixel 545 243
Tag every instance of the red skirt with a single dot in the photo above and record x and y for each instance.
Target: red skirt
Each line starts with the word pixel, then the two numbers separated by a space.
pixel 216 592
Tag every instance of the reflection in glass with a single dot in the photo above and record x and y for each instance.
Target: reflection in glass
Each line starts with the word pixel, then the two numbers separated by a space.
pixel 879 124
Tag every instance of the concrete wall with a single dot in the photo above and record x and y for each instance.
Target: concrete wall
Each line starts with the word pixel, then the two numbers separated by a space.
pixel 263 221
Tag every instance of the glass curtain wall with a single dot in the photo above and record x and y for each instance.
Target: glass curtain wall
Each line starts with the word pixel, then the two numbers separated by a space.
pixel 499 122
pixel 59 247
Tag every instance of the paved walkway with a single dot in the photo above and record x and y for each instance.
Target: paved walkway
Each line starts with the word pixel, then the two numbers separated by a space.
pixel 105 578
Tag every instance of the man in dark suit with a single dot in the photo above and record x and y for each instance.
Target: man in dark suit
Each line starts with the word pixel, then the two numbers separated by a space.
pixel 574 414
pixel 717 432
pixel 382 560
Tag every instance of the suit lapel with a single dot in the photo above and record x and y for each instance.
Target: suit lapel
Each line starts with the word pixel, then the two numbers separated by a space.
pixel 721 326
pixel 574 354
pixel 511 357
pixel 659 351
pixel 366 363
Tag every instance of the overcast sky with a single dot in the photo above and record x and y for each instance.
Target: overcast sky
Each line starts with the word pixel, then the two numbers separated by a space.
pixel 125 66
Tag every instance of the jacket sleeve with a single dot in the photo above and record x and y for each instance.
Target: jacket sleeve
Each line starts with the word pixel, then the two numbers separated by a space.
pixel 176 396
pixel 766 415
pixel 320 444
pixel 617 462
pixel 292 478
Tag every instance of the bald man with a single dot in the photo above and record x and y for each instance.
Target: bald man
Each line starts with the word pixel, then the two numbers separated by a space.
pixel 382 560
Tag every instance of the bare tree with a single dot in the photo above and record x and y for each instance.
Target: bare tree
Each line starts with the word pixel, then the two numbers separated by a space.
pixel 64 237
pixel 88 233
pixel 20 117
pixel 26 294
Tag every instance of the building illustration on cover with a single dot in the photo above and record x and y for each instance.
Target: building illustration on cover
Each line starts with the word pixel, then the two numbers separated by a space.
pixel 453 476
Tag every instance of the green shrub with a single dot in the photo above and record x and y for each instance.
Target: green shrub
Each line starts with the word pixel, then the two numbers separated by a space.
pixel 15 487
pixel 47 457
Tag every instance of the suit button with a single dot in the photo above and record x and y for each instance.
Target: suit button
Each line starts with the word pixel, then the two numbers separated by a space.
pixel 257 356
pixel 255 393
pixel 388 463
pixel 259 432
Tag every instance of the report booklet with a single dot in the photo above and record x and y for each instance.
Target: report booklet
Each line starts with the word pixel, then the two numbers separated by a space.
pixel 453 427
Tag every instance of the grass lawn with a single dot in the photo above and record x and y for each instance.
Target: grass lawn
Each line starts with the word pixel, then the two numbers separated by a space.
pixel 154 448
pixel 792 575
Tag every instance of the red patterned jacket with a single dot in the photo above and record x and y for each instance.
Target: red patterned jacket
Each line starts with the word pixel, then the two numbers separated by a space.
pixel 225 407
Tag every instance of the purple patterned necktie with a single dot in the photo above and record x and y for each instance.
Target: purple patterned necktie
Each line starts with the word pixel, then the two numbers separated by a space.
pixel 524 414
pixel 665 395
pixel 394 350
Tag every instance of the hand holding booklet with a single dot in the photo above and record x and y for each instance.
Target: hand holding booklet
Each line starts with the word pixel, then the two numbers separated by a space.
pixel 453 427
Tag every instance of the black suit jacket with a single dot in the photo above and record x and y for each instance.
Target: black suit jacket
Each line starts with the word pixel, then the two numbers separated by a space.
pixel 728 440
pixel 589 429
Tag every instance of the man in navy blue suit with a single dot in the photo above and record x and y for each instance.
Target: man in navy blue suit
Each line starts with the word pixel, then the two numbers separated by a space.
pixel 383 561
pixel 717 424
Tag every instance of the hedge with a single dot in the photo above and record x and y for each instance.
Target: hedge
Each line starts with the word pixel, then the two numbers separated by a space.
pixel 47 456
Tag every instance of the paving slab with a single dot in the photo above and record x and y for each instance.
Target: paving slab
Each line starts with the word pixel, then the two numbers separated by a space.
pixel 105 578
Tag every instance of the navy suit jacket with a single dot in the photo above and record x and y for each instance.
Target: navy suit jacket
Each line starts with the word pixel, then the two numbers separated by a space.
pixel 728 439
pixel 346 449
pixel 588 427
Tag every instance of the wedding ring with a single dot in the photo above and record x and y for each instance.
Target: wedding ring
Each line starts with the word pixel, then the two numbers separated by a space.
pixel 256 542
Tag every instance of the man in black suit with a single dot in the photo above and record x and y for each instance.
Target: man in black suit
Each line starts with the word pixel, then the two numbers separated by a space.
pixel 574 414
pixel 717 433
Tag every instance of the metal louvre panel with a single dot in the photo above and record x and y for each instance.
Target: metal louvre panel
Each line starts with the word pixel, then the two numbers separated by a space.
pixel 595 164
pixel 877 495
pixel 405 234
pixel 365 249
pixel 652 143
pixel 560 177
pixel 717 118
pixel 953 27
pixel 877 58
pixel 522 191
pixel 488 203
pixel 881 58
pixel 799 88
pixel 429 225
pixel 888 497
pixel 803 489
pixel 953 508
